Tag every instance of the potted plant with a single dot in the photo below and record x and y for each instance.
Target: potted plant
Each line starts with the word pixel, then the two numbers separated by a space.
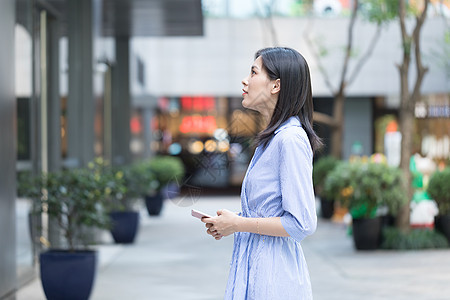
pixel 73 198
pixel 322 167
pixel 439 190
pixel 166 170
pixel 122 195
pixel 363 187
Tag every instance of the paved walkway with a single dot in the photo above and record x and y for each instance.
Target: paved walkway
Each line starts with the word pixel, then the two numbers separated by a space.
pixel 173 258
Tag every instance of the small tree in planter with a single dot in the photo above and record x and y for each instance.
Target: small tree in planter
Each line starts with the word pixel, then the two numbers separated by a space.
pixel 74 199
pixel 120 184
pixel 322 167
pixel 363 187
pixel 439 190
pixel 166 170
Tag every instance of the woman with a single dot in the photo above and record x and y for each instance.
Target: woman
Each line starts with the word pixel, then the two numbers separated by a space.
pixel 277 198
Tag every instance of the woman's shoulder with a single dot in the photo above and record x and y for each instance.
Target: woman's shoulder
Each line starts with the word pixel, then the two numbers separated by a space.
pixel 293 138
pixel 291 133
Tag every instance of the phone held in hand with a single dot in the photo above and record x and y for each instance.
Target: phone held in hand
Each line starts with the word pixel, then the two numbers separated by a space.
pixel 199 214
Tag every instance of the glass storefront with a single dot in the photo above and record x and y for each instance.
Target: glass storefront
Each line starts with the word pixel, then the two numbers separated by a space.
pixel 431 131
pixel 212 135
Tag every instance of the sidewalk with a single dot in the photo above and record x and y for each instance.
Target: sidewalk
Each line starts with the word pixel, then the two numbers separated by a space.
pixel 173 258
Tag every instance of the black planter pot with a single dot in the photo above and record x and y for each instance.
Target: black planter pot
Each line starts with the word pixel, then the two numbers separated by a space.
pixel 367 233
pixel 442 224
pixel 124 226
pixel 327 208
pixel 154 204
pixel 68 275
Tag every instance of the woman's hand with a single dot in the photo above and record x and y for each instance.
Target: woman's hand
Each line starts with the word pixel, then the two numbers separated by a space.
pixel 224 224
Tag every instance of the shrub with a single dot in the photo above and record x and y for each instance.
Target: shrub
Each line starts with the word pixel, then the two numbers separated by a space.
pixel 322 167
pixel 395 239
pixel 74 198
pixel 363 186
pixel 439 190
pixel 166 169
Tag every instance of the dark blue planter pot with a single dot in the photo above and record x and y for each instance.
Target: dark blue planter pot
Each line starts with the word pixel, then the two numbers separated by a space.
pixel 68 275
pixel 154 204
pixel 367 233
pixel 124 226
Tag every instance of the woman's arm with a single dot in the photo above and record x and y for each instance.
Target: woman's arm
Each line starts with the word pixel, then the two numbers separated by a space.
pixel 227 222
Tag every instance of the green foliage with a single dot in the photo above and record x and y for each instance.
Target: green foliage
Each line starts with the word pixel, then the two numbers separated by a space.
pixel 26 185
pixel 339 184
pixel 163 170
pixel 321 168
pixel 362 187
pixel 74 198
pixel 167 169
pixel 301 8
pixel 112 180
pixel 140 179
pixel 379 11
pixel 394 238
pixel 439 190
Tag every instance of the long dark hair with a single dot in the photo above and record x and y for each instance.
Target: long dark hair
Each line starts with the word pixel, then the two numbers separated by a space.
pixel 295 97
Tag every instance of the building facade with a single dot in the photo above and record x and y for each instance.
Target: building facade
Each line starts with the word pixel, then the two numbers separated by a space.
pixel 212 67
pixel 65 97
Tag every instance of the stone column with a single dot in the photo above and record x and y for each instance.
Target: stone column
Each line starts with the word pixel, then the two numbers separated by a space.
pixel 80 105
pixel 7 151
pixel 121 103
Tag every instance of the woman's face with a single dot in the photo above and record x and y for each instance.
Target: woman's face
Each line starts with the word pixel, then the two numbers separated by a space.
pixel 258 92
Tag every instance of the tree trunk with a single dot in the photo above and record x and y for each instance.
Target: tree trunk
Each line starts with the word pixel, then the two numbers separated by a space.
pixel 337 130
pixel 408 103
pixel 406 128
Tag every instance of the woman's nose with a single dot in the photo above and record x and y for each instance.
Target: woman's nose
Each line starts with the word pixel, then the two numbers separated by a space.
pixel 245 81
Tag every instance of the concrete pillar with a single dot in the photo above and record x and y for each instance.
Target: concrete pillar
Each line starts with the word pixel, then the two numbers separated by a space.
pixel 80 105
pixel 147 115
pixel 54 99
pixel 7 150
pixel 121 103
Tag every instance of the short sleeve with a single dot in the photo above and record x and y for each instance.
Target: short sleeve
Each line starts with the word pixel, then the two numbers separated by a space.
pixel 299 218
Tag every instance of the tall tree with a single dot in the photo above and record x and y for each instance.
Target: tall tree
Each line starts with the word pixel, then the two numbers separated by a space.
pixel 346 78
pixel 408 97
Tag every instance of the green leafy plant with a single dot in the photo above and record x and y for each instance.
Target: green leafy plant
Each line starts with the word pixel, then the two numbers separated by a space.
pixel 166 169
pixel 363 186
pixel 74 199
pixel 439 190
pixel 113 181
pixel 140 179
pixel 396 239
pixel 322 167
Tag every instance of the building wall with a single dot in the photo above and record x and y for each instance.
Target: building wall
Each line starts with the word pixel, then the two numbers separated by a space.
pixel 216 63
pixel 7 150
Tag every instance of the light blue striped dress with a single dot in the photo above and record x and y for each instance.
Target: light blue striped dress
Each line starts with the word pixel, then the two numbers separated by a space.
pixel 278 183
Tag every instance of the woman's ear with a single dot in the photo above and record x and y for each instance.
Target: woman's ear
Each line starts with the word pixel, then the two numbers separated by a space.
pixel 275 87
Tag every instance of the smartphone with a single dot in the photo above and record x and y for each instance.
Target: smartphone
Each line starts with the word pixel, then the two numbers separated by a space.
pixel 199 214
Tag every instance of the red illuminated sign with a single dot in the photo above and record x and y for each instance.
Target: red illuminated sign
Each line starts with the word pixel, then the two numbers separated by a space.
pixel 197 103
pixel 198 124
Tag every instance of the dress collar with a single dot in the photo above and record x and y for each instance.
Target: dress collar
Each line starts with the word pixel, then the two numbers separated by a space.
pixel 291 122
